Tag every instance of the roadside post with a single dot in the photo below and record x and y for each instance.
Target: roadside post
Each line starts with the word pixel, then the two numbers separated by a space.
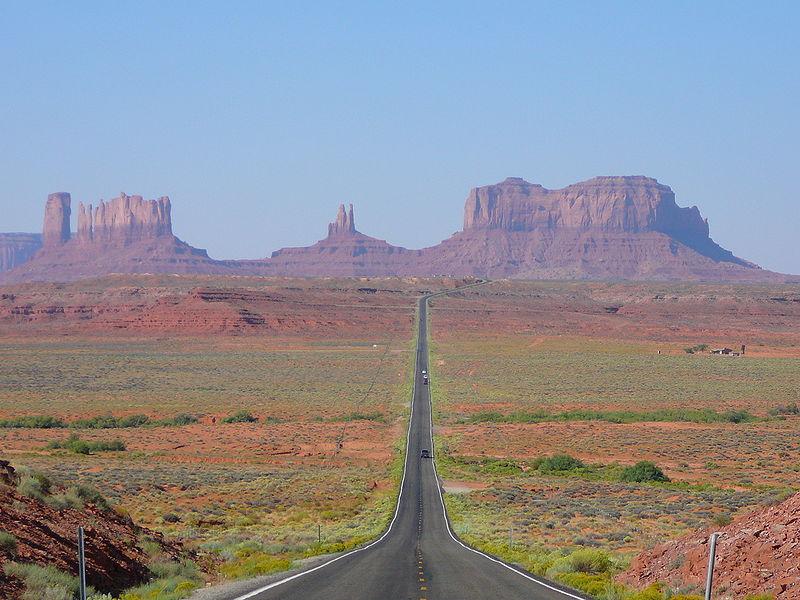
pixel 81 564
pixel 319 533
pixel 712 555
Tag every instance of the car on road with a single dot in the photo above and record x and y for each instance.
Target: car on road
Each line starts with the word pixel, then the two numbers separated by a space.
pixel 425 379
pixel 425 453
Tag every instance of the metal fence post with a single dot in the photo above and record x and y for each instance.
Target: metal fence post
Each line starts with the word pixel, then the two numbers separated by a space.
pixel 712 555
pixel 81 564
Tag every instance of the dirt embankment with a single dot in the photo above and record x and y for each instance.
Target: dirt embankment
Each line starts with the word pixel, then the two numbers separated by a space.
pixel 757 553
pixel 47 535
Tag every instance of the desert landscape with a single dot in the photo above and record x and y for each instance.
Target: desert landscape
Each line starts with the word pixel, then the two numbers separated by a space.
pixel 252 423
pixel 244 424
pixel 399 301
pixel 549 395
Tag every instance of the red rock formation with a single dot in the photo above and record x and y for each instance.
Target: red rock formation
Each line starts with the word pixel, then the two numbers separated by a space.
pixel 344 225
pixel 56 229
pixel 129 219
pixel 17 248
pixel 46 536
pixel 604 228
pixel 757 554
pixel 345 252
pixel 125 235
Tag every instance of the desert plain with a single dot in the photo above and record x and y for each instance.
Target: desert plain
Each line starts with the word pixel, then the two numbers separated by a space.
pixel 255 422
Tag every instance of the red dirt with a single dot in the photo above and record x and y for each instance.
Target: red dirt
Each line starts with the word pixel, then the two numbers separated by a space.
pixel 756 554
pixel 47 536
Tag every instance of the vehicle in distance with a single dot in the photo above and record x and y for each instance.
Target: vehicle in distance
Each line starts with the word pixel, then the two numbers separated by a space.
pixel 425 379
pixel 425 453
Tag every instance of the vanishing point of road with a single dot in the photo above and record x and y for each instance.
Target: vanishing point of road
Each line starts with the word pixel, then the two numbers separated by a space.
pixel 418 557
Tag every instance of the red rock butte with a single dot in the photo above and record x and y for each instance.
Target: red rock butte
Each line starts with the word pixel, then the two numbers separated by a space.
pixel 606 228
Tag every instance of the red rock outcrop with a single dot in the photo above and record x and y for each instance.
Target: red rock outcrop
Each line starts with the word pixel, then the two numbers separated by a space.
pixel 56 230
pixel 344 225
pixel 17 248
pixel 604 228
pixel 757 553
pixel 125 235
pixel 345 252
pixel 125 220
pixel 46 536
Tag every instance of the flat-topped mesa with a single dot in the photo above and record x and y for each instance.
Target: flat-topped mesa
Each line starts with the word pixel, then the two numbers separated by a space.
pixel 632 204
pixel 56 230
pixel 125 220
pixel 344 225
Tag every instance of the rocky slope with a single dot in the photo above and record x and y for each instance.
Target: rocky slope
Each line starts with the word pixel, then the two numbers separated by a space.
pixel 17 248
pixel 605 228
pixel 46 533
pixel 757 554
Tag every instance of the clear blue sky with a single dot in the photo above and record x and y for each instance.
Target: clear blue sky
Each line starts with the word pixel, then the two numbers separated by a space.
pixel 258 119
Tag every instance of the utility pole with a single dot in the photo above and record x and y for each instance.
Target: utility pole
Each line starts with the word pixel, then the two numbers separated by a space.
pixel 319 534
pixel 712 555
pixel 81 564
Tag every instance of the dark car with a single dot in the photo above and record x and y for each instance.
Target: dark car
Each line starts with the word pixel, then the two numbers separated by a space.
pixel 425 453
pixel 425 379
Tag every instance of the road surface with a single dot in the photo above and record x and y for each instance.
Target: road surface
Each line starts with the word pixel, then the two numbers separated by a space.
pixel 418 557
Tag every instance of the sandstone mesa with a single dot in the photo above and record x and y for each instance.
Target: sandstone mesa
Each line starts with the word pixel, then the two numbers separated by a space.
pixel 618 228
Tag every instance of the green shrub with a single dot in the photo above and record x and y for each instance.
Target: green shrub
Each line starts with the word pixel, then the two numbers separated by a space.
pixel 8 543
pixel 557 463
pixel 110 422
pixel 74 444
pixel 33 422
pixel 721 519
pixel 594 585
pixel 590 561
pixel 43 583
pixel 33 484
pixel 240 417
pixel 88 494
pixel 643 471
pixel 252 564
pixel 697 348
pixel 738 416
pixel 177 420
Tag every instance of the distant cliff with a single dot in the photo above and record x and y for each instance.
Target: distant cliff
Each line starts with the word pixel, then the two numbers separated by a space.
pixel 17 248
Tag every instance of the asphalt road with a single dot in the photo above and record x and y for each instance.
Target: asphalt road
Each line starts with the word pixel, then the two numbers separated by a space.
pixel 418 557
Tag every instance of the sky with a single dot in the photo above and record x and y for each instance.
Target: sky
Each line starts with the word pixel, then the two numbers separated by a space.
pixel 258 118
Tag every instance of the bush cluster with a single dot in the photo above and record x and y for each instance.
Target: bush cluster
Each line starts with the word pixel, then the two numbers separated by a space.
pixel 558 463
pixel 98 422
pixel 242 416
pixel 75 444
pixel 643 472
pixel 617 416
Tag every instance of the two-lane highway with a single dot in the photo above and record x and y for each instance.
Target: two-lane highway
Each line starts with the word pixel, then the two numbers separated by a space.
pixel 417 557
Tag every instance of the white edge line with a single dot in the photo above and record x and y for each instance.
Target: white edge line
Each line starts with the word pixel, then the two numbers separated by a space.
pixel 462 544
pixel 275 584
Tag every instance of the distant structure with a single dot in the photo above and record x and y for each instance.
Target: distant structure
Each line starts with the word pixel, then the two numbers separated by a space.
pixel 727 351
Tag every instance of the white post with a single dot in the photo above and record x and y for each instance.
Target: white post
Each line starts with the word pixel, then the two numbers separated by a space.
pixel 712 554
pixel 81 564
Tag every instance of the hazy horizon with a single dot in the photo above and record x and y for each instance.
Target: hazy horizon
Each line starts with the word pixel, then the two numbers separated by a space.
pixel 258 121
